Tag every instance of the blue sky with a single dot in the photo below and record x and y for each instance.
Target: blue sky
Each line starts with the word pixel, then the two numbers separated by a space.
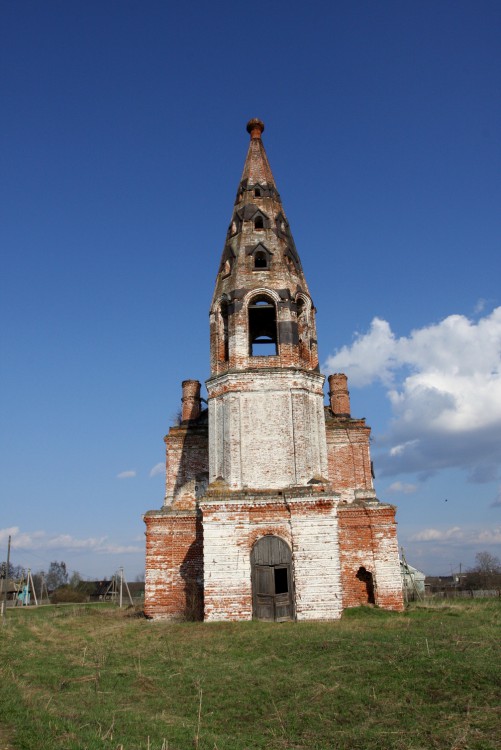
pixel 123 141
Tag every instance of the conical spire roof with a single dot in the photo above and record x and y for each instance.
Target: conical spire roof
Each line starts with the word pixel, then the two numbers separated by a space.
pixel 257 168
pixel 259 220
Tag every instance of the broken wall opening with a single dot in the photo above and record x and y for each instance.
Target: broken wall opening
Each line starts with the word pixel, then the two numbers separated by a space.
pixel 367 580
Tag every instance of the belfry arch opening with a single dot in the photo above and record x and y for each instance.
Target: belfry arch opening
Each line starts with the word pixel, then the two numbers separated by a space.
pixel 272 581
pixel 263 341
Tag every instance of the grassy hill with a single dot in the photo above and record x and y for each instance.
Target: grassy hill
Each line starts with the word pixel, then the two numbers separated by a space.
pixel 94 677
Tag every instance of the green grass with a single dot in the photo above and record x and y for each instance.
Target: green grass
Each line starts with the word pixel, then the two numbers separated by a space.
pixel 94 677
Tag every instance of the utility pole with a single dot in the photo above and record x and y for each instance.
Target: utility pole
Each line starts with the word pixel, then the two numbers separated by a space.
pixel 123 582
pixel 30 578
pixel 42 586
pixel 4 600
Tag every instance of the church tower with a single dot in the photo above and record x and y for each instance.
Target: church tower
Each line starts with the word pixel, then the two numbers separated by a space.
pixel 266 416
pixel 270 510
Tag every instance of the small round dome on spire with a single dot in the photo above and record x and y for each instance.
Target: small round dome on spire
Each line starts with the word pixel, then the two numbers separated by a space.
pixel 255 127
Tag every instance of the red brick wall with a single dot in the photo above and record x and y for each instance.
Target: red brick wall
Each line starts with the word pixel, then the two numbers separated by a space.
pixel 174 565
pixel 368 539
pixel 187 457
pixel 348 454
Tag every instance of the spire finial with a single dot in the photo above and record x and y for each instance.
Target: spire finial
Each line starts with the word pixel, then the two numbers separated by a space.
pixel 255 127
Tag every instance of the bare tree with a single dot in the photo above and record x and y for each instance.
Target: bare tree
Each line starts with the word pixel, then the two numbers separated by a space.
pixel 485 574
pixel 75 579
pixel 488 563
pixel 15 571
pixel 57 575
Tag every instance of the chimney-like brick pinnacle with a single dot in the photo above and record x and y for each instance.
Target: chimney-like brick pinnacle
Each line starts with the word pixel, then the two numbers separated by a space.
pixel 339 395
pixel 255 127
pixel 191 400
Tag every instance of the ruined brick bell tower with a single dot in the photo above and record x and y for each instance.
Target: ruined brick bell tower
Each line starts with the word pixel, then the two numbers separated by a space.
pixel 270 510
pixel 266 421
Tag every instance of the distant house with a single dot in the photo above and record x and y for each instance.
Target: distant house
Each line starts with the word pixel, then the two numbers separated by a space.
pixel 440 584
pixel 101 591
pixel 8 585
pixel 462 585
pixel 95 591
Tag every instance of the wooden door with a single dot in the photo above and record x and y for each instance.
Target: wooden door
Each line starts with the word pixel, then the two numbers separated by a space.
pixel 272 585
pixel 265 593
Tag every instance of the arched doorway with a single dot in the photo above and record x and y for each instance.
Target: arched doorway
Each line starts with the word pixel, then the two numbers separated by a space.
pixel 272 584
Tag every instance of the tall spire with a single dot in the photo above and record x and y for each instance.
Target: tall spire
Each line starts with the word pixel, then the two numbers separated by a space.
pixel 259 218
pixel 260 258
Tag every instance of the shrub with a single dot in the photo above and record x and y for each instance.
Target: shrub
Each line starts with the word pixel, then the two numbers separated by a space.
pixel 67 594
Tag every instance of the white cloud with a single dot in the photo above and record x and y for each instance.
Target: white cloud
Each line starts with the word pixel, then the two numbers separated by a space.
pixel 370 358
pixel 480 306
pixel 41 540
pixel 459 536
pixel 66 541
pixel 157 469
pixel 434 535
pixel 397 450
pixel 402 487
pixel 443 382
pixel 119 549
pixel 127 474
pixel 20 539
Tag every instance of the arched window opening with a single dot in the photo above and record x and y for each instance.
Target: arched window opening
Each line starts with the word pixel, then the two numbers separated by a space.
pixel 302 327
pixel 257 192
pixel 263 340
pixel 260 259
pixel 258 222
pixel 224 332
